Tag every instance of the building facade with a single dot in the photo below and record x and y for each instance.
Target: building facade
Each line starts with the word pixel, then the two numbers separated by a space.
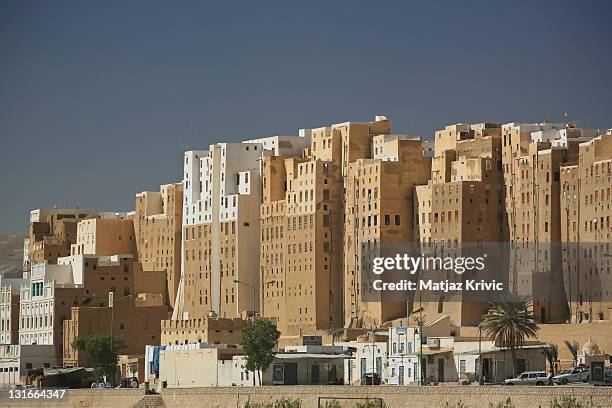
pixel 157 227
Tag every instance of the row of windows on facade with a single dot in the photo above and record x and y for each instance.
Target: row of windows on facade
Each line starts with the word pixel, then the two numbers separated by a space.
pixel 598 197
pixel 439 190
pixel 372 220
pixel 275 293
pixel 274 233
pixel 35 308
pixel 276 207
pixel 603 168
pixel 306 247
pixel 440 217
pixel 36 322
pixel 169 221
pixel 303 182
pixel 306 195
pixel 5 324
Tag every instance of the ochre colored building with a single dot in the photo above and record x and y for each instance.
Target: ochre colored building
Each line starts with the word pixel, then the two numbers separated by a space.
pixel 157 227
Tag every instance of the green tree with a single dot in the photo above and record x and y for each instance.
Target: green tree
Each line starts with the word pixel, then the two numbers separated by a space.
pixel 258 340
pixel 573 348
pixel 551 352
pixel 98 348
pixel 509 322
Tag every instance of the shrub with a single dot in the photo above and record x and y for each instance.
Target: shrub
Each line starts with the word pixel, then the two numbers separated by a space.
pixel 572 402
pixel 503 404
pixel 455 405
pixel 370 404
pixel 279 403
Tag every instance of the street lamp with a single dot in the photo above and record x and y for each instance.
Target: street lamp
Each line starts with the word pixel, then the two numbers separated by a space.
pixel 253 287
pixel 480 382
pixel 373 335
pixel 111 304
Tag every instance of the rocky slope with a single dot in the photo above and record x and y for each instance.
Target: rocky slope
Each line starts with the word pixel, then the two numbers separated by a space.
pixel 11 254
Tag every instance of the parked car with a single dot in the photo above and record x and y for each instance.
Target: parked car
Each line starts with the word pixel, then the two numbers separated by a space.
pixel 129 382
pixel 529 378
pixel 370 379
pixel 572 375
pixel 101 384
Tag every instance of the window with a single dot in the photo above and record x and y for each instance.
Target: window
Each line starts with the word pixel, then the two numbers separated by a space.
pixel 397 219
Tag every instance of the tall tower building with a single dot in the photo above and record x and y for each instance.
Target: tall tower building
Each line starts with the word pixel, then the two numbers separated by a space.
pixel 533 155
pixel 462 203
pixel 586 230
pixel 158 217
pixel 379 210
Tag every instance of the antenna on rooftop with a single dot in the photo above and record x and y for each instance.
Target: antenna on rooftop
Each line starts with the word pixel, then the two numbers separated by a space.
pixel 547 116
pixel 185 147
pixel 569 123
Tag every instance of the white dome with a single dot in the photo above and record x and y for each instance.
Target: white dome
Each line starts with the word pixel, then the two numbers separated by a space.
pixel 590 348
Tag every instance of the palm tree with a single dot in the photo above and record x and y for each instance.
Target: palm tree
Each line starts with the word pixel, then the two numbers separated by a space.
pixel 334 333
pixel 552 354
pixel 509 322
pixel 573 348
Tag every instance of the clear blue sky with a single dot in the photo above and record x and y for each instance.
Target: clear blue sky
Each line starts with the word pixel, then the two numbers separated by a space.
pixel 96 98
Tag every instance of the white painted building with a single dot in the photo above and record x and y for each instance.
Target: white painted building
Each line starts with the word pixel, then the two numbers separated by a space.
pixel 223 185
pixel 284 145
pixel 387 147
pixel 445 358
pixel 181 365
pixel 403 362
pixel 366 357
pixel 9 309
pixel 37 302
pixel 15 360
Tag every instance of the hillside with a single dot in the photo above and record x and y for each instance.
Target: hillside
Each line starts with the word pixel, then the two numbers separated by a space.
pixel 11 254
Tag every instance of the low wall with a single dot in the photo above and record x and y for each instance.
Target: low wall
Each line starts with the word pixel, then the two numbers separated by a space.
pixel 392 396
pixel 80 398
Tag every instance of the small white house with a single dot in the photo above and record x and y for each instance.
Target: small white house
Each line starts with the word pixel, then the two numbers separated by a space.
pixel 366 357
pixel 16 360
pixel 296 365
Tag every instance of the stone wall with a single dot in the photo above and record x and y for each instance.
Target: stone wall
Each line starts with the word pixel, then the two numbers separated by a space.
pixel 80 398
pixel 392 396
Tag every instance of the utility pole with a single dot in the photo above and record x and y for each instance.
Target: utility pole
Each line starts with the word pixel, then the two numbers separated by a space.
pixel 422 367
pixel 373 335
pixel 111 304
pixel 480 382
